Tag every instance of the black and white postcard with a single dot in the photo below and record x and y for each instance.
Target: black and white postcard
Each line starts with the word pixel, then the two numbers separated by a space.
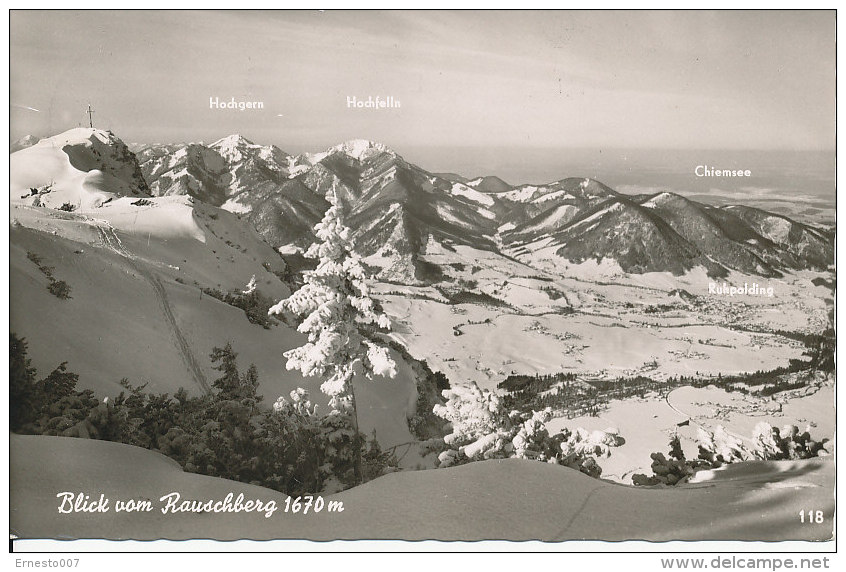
pixel 441 275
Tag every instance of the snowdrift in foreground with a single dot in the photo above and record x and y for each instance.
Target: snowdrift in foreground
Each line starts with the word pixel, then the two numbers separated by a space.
pixel 498 499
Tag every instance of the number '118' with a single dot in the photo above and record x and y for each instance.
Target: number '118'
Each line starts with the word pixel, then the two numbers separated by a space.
pixel 811 516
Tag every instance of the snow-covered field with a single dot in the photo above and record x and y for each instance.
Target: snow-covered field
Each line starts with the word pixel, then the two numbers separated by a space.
pixel 647 423
pixel 594 319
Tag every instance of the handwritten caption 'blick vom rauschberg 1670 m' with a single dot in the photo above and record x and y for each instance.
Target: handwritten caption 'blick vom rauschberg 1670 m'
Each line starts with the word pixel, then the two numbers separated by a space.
pixel 172 503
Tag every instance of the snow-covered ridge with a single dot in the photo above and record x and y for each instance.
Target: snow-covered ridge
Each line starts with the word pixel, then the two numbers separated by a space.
pixel 532 194
pixel 658 200
pixel 255 180
pixel 559 216
pixel 191 168
pixel 472 194
pixel 551 196
pixel 235 148
pixel 358 149
pixel 615 207
pixel 215 173
pixel 79 136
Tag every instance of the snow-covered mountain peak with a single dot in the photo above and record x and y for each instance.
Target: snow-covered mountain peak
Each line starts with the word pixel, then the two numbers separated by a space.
pixel 490 184
pixel 664 198
pixel 82 167
pixel 233 147
pixel 234 140
pixel 283 197
pixel 85 136
pixel 236 148
pixel 357 149
pixel 591 188
pixel 360 149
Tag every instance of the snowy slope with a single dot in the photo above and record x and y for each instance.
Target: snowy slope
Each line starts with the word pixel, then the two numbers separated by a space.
pixel 472 194
pixel 511 499
pixel 135 274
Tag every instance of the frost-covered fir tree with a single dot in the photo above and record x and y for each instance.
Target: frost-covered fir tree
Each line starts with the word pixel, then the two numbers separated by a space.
pixel 251 286
pixel 334 303
pixel 483 429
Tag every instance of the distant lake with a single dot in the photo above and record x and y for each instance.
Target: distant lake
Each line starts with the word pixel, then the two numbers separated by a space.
pixel 796 183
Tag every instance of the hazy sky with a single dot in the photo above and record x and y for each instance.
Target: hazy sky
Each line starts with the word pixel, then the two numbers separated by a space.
pixel 666 79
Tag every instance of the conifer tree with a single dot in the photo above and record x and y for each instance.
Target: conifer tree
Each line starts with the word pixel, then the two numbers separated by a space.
pixel 23 400
pixel 225 362
pixel 334 303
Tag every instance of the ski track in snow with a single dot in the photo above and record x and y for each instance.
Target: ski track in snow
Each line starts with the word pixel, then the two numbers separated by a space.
pixel 112 242
pixel 563 534
pixel 184 348
pixel 679 411
pixel 700 425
